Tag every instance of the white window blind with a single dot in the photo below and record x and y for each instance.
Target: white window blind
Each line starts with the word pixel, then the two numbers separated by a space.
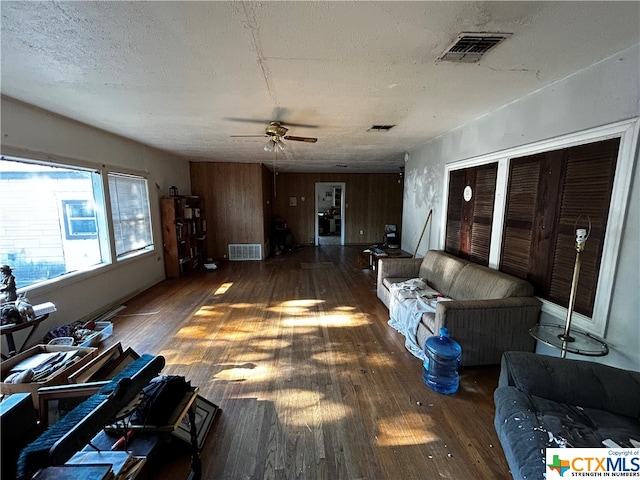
pixel 131 214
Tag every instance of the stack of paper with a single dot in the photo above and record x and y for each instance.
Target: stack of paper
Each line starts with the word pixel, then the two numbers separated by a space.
pixel 123 465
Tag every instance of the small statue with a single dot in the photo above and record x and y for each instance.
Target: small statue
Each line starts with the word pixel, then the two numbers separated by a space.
pixel 24 308
pixel 8 285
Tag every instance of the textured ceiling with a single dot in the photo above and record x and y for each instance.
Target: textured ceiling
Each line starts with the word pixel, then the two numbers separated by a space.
pixel 185 76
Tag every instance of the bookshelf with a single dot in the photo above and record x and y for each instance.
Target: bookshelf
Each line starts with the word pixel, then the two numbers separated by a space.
pixel 184 231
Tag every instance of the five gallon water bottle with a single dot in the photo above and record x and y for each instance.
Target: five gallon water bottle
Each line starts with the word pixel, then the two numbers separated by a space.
pixel 440 368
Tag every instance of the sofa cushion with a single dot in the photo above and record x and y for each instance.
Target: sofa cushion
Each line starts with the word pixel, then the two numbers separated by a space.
pixel 576 382
pixel 476 282
pixel 387 282
pixel 440 269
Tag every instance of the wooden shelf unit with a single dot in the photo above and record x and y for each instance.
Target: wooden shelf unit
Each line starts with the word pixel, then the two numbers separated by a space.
pixel 184 233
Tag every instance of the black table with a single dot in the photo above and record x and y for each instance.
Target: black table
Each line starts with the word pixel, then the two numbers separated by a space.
pixel 8 330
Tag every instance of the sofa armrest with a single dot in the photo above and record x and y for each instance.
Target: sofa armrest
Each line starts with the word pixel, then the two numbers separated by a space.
pixel 398 267
pixel 574 382
pixel 487 328
pixel 395 268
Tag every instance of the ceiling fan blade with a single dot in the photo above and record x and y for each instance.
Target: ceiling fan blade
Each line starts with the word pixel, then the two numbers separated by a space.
pixel 267 122
pixel 301 139
pixel 246 136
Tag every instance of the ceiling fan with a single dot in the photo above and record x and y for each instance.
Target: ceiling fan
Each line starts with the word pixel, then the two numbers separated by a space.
pixel 276 131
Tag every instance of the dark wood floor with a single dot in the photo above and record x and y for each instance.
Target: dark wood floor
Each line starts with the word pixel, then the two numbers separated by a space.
pixel 311 380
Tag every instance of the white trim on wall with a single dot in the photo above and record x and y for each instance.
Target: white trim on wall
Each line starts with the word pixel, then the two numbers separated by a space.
pixel 628 131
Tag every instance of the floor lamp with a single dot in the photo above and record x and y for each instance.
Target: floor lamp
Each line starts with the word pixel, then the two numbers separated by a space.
pixel 581 239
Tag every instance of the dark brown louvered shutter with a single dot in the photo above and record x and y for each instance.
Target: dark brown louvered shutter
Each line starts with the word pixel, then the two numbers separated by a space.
pixel 586 191
pixel 468 232
pixel 483 200
pixel 546 194
pixel 522 195
pixel 454 211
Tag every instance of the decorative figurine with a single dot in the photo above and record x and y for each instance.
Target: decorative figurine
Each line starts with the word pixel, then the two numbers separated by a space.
pixel 8 285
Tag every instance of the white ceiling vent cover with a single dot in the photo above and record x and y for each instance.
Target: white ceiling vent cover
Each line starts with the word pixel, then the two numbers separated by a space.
pixel 245 251
pixel 470 47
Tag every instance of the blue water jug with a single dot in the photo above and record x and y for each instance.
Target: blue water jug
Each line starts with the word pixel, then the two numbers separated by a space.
pixel 440 367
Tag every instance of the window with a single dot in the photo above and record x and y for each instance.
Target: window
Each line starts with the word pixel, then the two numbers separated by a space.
pixel 547 193
pixel 48 218
pixel 79 219
pixel 131 214
pixel 608 234
pixel 470 212
pixel 54 219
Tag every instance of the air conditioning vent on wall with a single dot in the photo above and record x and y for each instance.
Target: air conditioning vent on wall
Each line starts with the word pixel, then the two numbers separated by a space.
pixel 470 47
pixel 245 251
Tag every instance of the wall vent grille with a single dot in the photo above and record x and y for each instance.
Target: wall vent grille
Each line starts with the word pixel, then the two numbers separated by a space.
pixel 470 47
pixel 245 251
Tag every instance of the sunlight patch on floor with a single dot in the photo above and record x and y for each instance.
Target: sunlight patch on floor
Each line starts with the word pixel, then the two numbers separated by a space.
pixel 195 332
pixel 295 307
pixel 222 289
pixel 345 309
pixel 395 431
pixel 381 361
pixel 177 357
pixel 337 358
pixel 327 319
pixel 246 305
pixel 301 408
pixel 207 311
pixel 247 371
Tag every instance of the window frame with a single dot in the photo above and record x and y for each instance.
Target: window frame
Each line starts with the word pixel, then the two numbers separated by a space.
pixel 119 257
pixel 628 132
pixel 68 219
pixel 104 218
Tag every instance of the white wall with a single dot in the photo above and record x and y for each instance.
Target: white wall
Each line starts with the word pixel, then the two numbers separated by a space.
pixel 602 94
pixel 34 133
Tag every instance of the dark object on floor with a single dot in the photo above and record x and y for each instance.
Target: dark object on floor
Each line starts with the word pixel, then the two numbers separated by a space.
pixel 282 239
pixel 159 400
pixel 549 402
pixel 56 445
pixel 18 427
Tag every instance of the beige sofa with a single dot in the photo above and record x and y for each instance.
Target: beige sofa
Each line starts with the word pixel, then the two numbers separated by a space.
pixel 490 312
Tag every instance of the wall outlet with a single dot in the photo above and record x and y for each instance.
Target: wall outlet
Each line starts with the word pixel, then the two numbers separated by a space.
pixel 361 232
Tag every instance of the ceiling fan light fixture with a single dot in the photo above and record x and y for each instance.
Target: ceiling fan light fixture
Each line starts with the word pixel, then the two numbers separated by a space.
pixel 275 144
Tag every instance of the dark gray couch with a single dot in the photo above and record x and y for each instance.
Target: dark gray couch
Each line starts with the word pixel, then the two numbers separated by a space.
pixel 544 401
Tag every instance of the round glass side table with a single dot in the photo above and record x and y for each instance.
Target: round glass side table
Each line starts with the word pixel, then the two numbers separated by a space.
pixel 582 343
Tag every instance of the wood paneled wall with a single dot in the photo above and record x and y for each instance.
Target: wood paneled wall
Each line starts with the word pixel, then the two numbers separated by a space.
pixel 372 200
pixel 239 201
pixel 235 203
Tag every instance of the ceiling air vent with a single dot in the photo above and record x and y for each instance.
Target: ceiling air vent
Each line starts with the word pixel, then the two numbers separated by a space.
pixel 380 128
pixel 470 47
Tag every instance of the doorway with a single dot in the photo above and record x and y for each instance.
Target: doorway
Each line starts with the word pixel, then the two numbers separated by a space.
pixel 329 213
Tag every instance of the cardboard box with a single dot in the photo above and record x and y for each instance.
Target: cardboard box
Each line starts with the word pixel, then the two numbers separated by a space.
pixel 61 376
